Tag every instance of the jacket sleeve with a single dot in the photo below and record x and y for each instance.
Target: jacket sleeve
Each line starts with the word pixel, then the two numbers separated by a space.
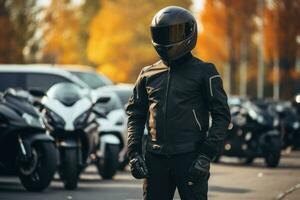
pixel 137 110
pixel 219 110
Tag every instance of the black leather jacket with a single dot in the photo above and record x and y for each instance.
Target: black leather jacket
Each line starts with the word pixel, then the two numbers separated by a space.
pixel 175 100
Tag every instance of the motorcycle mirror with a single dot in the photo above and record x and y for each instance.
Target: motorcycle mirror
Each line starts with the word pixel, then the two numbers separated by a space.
pixel 37 92
pixel 103 100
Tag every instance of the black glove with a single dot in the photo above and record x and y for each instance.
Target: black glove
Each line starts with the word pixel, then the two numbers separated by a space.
pixel 138 167
pixel 199 169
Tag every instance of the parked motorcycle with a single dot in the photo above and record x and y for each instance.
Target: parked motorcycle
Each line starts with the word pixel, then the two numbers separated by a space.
pixel 289 123
pixel 111 135
pixel 25 148
pixel 69 112
pixel 254 134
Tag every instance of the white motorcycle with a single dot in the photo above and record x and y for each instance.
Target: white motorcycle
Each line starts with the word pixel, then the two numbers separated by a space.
pixel 111 139
pixel 69 112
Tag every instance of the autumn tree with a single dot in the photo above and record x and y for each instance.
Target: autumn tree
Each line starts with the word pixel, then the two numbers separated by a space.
pixel 282 26
pixel 225 37
pixel 61 27
pixel 87 12
pixel 18 26
pixel 120 41
pixel 9 49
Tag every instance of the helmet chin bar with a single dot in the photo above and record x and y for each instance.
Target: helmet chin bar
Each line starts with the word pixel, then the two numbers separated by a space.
pixel 172 52
pixel 170 58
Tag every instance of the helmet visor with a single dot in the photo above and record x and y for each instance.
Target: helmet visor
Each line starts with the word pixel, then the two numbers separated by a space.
pixel 166 35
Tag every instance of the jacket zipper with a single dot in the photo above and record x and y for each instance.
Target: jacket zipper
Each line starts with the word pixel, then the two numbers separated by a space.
pixel 165 110
pixel 196 118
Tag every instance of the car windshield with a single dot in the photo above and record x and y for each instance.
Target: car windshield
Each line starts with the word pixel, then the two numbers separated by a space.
pixel 93 80
pixel 124 96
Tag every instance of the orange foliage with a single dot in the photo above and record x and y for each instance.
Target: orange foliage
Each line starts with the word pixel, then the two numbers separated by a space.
pixel 119 36
pixel 10 51
pixel 212 39
pixel 61 30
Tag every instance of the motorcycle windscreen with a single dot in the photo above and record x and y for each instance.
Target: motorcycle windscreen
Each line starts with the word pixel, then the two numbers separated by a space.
pixel 166 35
pixel 66 93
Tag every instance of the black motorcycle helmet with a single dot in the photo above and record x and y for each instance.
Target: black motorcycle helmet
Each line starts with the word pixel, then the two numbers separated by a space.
pixel 174 32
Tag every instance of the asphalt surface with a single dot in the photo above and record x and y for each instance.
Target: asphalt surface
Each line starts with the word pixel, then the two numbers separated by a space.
pixel 230 180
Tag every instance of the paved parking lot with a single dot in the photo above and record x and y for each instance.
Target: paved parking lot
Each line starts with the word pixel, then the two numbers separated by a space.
pixel 230 180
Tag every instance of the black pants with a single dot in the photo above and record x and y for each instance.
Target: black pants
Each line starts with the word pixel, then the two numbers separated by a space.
pixel 168 173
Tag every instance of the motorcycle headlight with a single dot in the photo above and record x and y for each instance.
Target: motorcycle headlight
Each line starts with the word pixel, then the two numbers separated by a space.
pixel 248 136
pixel 79 121
pixel 276 122
pixel 33 121
pixel 260 119
pixel 296 125
pixel 55 119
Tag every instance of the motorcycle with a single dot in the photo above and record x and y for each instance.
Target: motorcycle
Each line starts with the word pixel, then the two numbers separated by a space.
pixel 25 147
pixel 69 112
pixel 289 123
pixel 254 134
pixel 111 137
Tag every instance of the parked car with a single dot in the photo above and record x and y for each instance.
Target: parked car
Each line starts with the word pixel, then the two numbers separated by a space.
pixel 93 79
pixel 25 148
pixel 35 76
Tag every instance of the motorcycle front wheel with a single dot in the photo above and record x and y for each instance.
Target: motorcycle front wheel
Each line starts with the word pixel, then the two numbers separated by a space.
pixel 38 173
pixel 108 166
pixel 273 155
pixel 69 170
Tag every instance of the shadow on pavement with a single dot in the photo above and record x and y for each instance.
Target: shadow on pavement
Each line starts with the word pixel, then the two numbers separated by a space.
pixel 260 165
pixel 228 189
pixel 17 188
pixel 11 187
pixel 100 180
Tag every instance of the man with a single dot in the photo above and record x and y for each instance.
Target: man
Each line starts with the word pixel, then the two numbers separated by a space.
pixel 174 98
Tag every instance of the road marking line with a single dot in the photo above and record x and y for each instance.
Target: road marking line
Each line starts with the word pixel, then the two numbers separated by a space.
pixel 287 192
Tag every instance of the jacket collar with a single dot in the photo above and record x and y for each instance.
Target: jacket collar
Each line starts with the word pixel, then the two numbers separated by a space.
pixel 187 57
